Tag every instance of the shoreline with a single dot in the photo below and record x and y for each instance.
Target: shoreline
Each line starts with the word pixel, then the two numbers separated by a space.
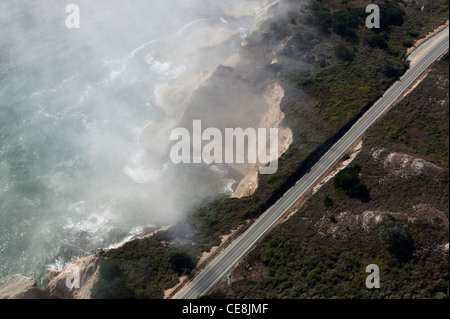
pixel 249 185
pixel 177 87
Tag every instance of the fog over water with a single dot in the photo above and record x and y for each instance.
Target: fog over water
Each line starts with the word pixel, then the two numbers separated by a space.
pixel 74 176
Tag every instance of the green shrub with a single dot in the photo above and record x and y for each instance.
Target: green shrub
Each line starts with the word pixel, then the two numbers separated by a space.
pixel 413 34
pixel 348 180
pixel 181 262
pixel 408 43
pixel 391 14
pixel 395 235
pixel 343 53
pixel 111 283
pixel 376 41
pixel 328 202
pixel 346 21
pixel 392 70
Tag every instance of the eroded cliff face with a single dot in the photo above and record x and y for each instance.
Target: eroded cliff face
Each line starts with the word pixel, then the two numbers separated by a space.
pixel 88 272
pixel 21 287
pixel 228 86
pixel 272 118
pixel 62 284
pixel 212 61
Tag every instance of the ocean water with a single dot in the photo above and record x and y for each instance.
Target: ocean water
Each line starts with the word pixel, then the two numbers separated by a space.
pixel 73 104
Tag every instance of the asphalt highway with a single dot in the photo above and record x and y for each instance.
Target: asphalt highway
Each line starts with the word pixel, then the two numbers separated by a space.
pixel 425 55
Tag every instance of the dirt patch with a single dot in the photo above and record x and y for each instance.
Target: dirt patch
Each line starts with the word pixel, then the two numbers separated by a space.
pixel 423 40
pixel 243 278
pixel 352 155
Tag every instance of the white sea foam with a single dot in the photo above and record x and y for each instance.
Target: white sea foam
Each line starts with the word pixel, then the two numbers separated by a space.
pixel 133 234
pixel 52 90
pixel 228 188
pixel 164 68
pixel 243 33
pixel 58 265
pixel 138 172
pixel 124 66
pixel 94 225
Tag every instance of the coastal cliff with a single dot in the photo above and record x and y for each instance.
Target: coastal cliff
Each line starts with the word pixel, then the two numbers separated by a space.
pixel 300 79
pixel 226 70
pixel 84 270
pixel 21 287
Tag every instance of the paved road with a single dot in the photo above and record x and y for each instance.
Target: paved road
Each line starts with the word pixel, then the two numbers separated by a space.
pixel 425 55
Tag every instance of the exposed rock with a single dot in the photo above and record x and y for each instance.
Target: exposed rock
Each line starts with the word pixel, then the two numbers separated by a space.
pixel 21 287
pixel 338 227
pixel 269 9
pixel 247 186
pixel 405 166
pixel 273 95
pixel 87 269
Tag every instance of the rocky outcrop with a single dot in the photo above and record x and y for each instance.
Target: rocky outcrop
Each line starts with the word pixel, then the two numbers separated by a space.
pixel 406 166
pixel 272 118
pixel 86 269
pixel 21 287
pixel 75 281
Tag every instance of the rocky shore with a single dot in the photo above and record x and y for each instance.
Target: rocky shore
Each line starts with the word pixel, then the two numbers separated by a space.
pixel 229 71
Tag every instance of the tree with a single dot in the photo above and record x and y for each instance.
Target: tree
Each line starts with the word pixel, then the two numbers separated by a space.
pixel 395 235
pixel 181 262
pixel 343 53
pixel 345 22
pixel 390 70
pixel 111 283
pixel 391 14
pixel 377 41
pixel 348 180
pixel 328 202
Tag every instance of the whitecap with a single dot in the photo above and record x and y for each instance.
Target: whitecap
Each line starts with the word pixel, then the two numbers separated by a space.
pixel 133 234
pixel 228 188
pixel 164 68
pixel 243 33
pixel 58 265
pixel 138 172
pixel 52 90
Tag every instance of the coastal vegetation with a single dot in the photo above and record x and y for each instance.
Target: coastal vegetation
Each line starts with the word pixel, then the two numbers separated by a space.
pixel 142 269
pixel 333 68
pixel 323 250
